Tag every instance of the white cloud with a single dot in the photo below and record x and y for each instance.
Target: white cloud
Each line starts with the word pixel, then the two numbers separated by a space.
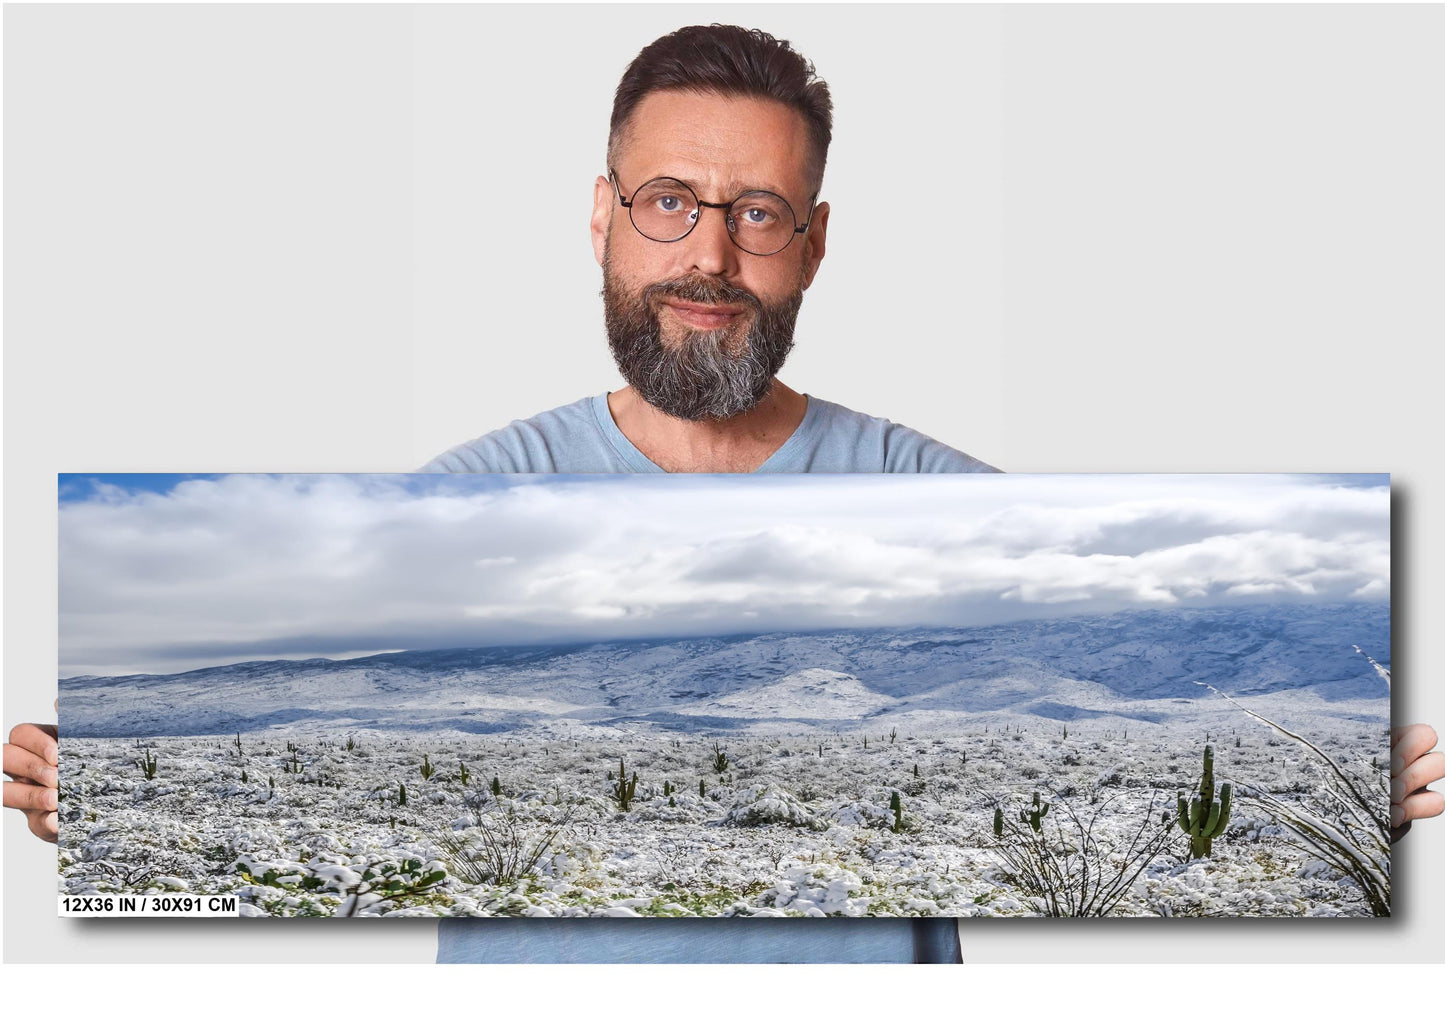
pixel 249 567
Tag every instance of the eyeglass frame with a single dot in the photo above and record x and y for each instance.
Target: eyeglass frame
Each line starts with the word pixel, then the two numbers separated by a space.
pixel 732 236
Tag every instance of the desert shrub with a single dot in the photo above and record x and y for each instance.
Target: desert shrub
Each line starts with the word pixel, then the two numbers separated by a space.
pixel 1344 822
pixel 1069 871
pixel 769 804
pixel 496 851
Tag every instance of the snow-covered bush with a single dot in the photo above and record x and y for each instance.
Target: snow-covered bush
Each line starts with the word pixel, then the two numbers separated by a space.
pixel 770 804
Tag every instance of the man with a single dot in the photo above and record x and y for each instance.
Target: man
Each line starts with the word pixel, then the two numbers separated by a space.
pixel 708 229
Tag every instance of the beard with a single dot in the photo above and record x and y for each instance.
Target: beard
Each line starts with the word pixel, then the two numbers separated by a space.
pixel 700 377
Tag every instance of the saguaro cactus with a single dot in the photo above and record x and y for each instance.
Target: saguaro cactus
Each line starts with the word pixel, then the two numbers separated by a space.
pixel 427 768
pixel 1204 817
pixel 998 822
pixel 623 790
pixel 147 764
pixel 1034 816
pixel 719 759
pixel 896 805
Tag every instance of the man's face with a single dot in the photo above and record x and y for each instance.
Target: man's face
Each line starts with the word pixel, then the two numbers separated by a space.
pixel 699 327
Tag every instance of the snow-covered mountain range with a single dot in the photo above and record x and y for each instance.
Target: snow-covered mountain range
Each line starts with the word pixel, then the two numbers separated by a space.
pixel 1140 665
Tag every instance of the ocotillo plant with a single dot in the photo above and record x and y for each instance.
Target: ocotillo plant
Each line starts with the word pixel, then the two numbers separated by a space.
pixel 427 770
pixel 623 790
pixel 1034 816
pixel 719 759
pixel 896 805
pixel 147 764
pixel 1204 817
pixel 998 822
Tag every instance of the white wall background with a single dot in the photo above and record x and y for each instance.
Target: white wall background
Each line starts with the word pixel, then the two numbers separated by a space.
pixel 1063 239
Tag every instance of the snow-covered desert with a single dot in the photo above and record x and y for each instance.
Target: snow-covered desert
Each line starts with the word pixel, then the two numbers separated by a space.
pixel 868 772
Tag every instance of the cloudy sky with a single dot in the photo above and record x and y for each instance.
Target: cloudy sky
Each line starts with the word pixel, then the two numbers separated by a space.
pixel 166 573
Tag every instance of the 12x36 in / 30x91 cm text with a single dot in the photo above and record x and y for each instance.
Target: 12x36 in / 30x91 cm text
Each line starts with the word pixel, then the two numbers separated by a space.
pixel 172 905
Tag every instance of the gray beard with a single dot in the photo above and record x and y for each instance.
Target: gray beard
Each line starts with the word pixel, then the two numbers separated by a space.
pixel 700 379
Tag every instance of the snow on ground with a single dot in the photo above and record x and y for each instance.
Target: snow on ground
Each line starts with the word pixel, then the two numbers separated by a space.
pixel 816 693
pixel 794 824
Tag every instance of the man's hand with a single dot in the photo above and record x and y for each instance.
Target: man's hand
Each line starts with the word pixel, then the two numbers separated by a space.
pixel 32 759
pixel 1413 767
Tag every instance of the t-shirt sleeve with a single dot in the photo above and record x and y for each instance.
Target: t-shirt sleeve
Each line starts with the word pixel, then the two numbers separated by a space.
pixel 913 452
pixel 519 448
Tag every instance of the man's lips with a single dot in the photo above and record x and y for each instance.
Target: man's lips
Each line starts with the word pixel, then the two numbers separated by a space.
pixel 703 315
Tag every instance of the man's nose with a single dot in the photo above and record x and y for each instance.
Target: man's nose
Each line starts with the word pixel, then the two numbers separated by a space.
pixel 709 247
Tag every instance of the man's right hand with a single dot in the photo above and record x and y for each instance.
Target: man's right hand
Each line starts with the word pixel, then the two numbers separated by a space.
pixel 32 759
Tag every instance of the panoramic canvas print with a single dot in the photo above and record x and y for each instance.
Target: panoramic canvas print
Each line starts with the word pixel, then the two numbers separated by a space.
pixel 725 695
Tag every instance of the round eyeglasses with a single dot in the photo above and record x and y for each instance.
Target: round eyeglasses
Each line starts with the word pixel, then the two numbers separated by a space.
pixel 665 210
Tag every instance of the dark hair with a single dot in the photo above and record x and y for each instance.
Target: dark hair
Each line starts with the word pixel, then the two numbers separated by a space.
pixel 730 61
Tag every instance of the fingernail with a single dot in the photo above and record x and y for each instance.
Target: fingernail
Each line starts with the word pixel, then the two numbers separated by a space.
pixel 52 754
pixel 1397 816
pixel 1397 764
pixel 52 799
pixel 1397 791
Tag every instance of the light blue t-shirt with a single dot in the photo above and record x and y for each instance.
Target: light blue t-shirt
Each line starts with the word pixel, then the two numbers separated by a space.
pixel 582 438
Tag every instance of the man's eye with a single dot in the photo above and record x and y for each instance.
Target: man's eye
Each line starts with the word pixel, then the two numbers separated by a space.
pixel 756 216
pixel 669 204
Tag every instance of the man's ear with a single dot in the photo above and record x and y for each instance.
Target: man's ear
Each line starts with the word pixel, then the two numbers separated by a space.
pixel 602 206
pixel 815 241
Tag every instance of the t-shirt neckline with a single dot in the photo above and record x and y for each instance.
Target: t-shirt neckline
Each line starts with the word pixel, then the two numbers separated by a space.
pixel 635 459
